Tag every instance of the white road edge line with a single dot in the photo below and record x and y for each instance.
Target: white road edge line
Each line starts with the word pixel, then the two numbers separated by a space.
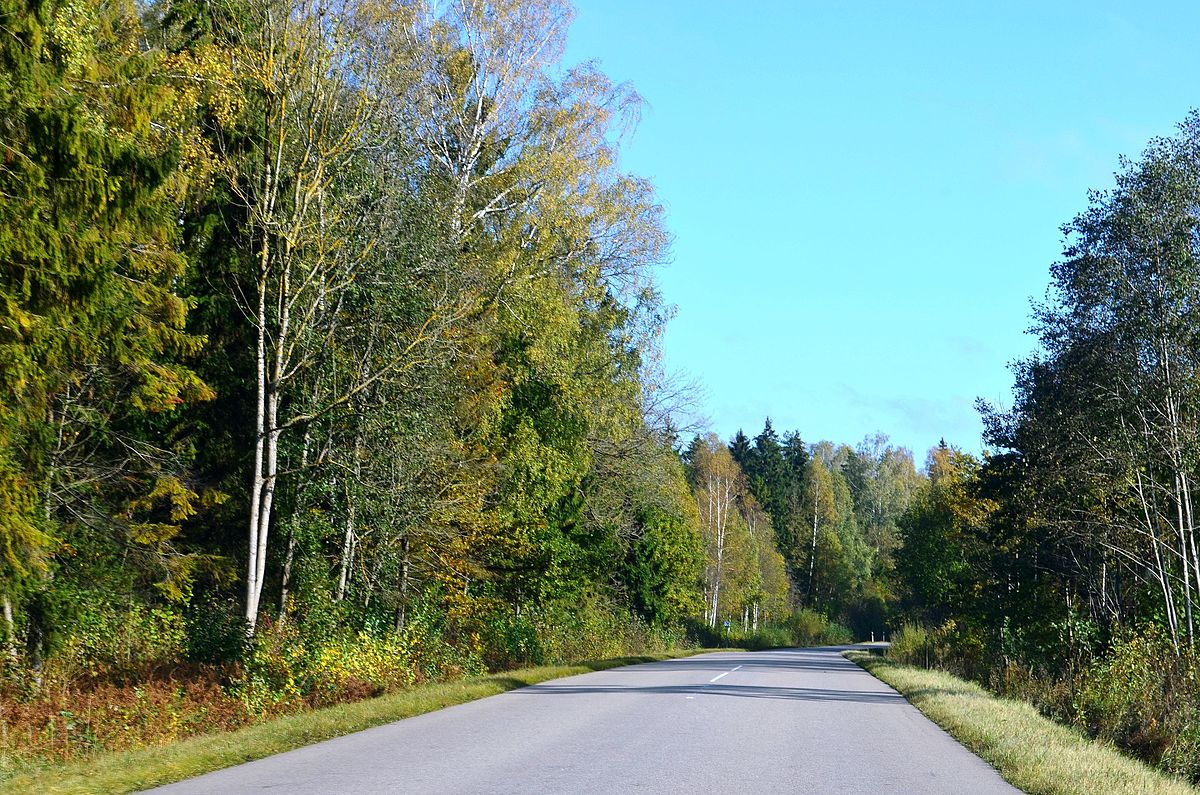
pixel 727 673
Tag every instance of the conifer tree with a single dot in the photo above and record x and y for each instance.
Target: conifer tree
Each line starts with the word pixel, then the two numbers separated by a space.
pixel 91 325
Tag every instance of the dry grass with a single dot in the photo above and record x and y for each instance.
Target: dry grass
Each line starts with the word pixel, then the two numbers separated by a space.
pixel 131 771
pixel 1029 750
pixel 64 724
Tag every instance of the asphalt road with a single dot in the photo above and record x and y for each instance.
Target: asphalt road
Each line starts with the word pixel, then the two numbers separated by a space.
pixel 802 720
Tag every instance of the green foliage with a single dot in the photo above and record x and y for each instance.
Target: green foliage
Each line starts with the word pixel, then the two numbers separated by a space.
pixel 810 628
pixel 91 328
pixel 594 630
pixel 1142 697
pixel 291 664
pixel 939 532
pixel 802 628
pixel 503 637
pixel 560 633
pixel 118 642
pixel 949 646
pixel 663 567
pixel 216 631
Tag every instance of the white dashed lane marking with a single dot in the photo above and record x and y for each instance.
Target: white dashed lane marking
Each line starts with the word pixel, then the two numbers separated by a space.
pixel 727 673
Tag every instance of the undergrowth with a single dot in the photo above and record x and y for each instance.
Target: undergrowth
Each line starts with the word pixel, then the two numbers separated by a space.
pixel 1138 693
pixel 130 679
pixel 1034 753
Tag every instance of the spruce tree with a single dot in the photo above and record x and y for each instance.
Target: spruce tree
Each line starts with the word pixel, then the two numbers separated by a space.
pixel 91 328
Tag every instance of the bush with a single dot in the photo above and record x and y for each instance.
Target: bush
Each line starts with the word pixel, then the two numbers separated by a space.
pixel 810 628
pixel 596 630
pixel 289 666
pixel 504 639
pixel 950 647
pixel 1182 754
pixel 69 722
pixel 802 628
pixel 117 643
pixel 767 637
pixel 911 645
pixel 216 631
pixel 1143 697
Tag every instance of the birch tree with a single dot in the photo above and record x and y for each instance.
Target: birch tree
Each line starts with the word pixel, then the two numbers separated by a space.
pixel 820 511
pixel 330 90
pixel 1111 408
pixel 718 483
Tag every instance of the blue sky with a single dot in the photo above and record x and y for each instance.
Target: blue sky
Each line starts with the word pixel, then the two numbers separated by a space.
pixel 866 196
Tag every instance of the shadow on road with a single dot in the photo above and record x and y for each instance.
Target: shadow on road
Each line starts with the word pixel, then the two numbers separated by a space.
pixel 825 659
pixel 775 660
pixel 718 689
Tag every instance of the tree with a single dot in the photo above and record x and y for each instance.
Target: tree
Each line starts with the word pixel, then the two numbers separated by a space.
pixel 1105 419
pixel 764 586
pixel 775 475
pixel 91 325
pixel 820 510
pixel 882 481
pixel 718 484
pixel 937 533
pixel 739 448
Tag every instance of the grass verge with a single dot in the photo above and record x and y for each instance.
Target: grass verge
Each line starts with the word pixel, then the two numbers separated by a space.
pixel 131 771
pixel 1030 751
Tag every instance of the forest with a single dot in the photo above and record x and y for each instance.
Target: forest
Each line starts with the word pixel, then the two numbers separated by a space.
pixel 330 364
pixel 329 353
pixel 1063 566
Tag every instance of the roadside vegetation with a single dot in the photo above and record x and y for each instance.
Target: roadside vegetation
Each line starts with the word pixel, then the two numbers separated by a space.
pixel 1136 695
pixel 1063 568
pixel 804 627
pixel 1032 752
pixel 330 366
pixel 132 771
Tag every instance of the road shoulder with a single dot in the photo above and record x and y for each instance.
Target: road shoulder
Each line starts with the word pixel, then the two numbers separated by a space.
pixel 1029 750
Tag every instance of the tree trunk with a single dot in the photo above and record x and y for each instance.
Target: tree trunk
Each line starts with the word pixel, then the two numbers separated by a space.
pixel 402 602
pixel 10 629
pixel 348 537
pixel 347 553
pixel 260 440
pixel 812 555
pixel 1161 573
pixel 1191 546
pixel 290 555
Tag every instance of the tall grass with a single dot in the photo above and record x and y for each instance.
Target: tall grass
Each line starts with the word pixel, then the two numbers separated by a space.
pixel 1029 750
pixel 1139 695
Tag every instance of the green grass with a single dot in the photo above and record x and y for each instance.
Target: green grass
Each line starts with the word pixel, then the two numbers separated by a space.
pixel 1029 750
pixel 147 767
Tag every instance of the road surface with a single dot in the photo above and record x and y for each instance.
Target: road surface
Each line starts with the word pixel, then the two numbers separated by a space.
pixel 796 720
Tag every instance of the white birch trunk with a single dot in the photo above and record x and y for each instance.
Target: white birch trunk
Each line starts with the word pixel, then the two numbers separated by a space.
pixel 812 555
